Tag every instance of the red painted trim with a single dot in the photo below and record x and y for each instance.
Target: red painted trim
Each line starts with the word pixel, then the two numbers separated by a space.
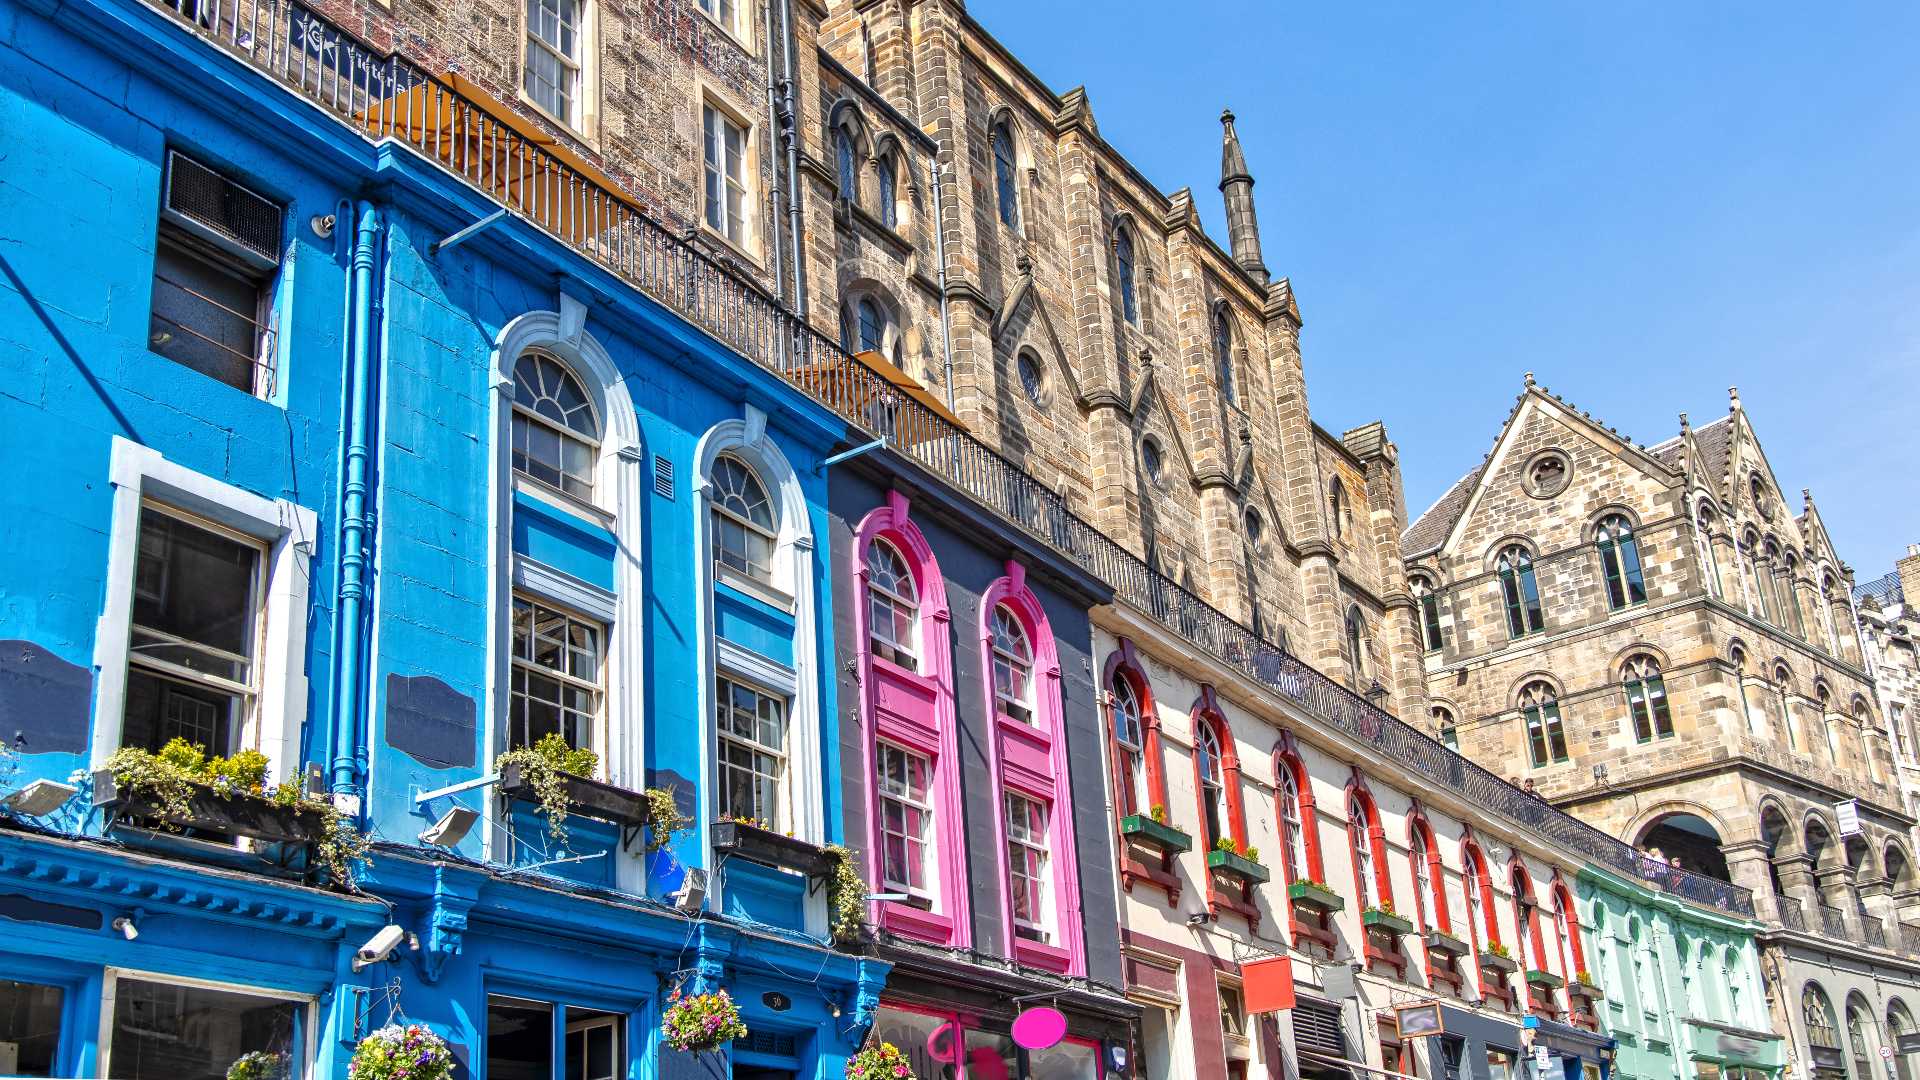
pixel 1526 912
pixel 953 924
pixel 1564 898
pixel 1206 711
pixel 1287 751
pixel 1360 797
pixel 1423 845
pixel 1124 663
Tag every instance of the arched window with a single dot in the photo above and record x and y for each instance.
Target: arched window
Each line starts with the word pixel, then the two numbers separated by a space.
pixel 1429 878
pixel 863 326
pixel 847 158
pixel 1004 177
pixel 1546 735
pixel 1012 666
pixel 1620 562
pixel 1900 1026
pixel 1213 787
pixel 1566 931
pixel 1429 611
pixel 1737 657
pixel 1789 596
pixel 1520 591
pixel 1366 866
pixel 1337 507
pixel 1526 924
pixel 1750 576
pixel 1129 730
pixel 1816 1013
pixel 1356 644
pixel 1783 689
pixel 1123 273
pixel 1703 547
pixel 1445 729
pixel 556 437
pixel 1293 829
pixel 893 606
pixel 1223 353
pixel 1826 615
pixel 1477 890
pixel 887 185
pixel 744 526
pixel 1646 699
pixel 1770 567
pixel 1859 1023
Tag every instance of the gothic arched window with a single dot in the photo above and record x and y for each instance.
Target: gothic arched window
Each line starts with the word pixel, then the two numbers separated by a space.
pixel 1546 734
pixel 1123 273
pixel 1647 699
pixel 1620 562
pixel 1005 180
pixel 1223 353
pixel 1520 591
pixel 846 156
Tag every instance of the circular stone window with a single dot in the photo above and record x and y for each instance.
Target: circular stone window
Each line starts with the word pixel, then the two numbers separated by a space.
pixel 1761 503
pixel 1547 474
pixel 1150 460
pixel 1256 528
pixel 1033 379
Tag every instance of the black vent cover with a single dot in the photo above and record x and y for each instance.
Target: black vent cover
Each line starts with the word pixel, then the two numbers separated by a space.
pixel 231 212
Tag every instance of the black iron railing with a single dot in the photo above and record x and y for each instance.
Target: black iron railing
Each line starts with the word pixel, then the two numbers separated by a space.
pixel 1882 592
pixel 1792 915
pixel 389 97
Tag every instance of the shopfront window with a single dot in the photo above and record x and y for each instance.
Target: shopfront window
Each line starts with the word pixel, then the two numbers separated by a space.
pixel 169 1031
pixel 29 1028
pixel 991 1056
pixel 1500 1064
pixel 520 1041
pixel 1067 1060
pixel 941 1046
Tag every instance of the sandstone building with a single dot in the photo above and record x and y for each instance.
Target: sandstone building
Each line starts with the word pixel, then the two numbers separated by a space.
pixel 1890 625
pixel 1660 641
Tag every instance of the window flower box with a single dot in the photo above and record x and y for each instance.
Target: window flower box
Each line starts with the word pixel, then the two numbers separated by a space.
pixel 1586 989
pixel 1314 895
pixel 1382 919
pixel 1237 865
pixel 1155 834
pixel 1545 980
pixel 769 848
pixel 1493 961
pixel 1442 942
pixel 587 798
pixel 234 814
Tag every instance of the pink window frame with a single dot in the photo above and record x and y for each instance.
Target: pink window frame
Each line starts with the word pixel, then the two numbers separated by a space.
pixel 963 1023
pixel 952 924
pixel 1067 954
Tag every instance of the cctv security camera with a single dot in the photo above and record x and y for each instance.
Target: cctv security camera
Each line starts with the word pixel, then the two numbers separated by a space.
pixel 124 924
pixel 379 946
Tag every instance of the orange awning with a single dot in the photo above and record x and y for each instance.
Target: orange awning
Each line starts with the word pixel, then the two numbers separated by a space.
pixel 506 155
pixel 871 390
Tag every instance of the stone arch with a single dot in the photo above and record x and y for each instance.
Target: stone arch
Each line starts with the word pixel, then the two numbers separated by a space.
pixel 1898 866
pixel 1528 679
pixel 1688 835
pixel 1776 829
pixel 1637 648
pixel 1820 841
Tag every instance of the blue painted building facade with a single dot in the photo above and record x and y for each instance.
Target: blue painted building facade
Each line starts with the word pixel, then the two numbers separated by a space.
pixel 383 506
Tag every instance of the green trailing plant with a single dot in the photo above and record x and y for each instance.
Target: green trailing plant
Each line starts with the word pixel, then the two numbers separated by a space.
pixel 172 777
pixel 394 1052
pixel 664 818
pixel 696 1023
pixel 544 767
pixel 1307 882
pixel 259 1065
pixel 880 1061
pixel 1385 907
pixel 846 896
pixel 1500 951
pixel 1158 812
pixel 1251 854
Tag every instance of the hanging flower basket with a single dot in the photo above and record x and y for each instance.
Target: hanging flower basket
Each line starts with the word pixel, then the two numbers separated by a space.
pixel 699 1022
pixel 259 1065
pixel 397 1052
pixel 880 1061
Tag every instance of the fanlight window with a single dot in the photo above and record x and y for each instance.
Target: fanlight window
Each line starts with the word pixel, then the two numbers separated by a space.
pixel 743 520
pixel 556 437
pixel 1206 748
pixel 1012 666
pixel 893 608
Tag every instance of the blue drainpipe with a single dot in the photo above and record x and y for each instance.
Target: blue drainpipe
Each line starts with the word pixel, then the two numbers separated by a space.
pixel 350 612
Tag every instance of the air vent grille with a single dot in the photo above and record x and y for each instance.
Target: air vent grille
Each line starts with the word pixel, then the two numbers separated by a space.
pixel 762 1042
pixel 229 211
pixel 663 476
pixel 1317 1027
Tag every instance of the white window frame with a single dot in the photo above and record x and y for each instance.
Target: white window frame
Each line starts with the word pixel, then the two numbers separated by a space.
pixel 596 721
pixel 1040 891
pixel 586 69
pixel 1135 749
pixel 285 529
pixel 711 110
pixel 929 867
pixel 782 812
pixel 110 985
pixel 734 25
pixel 898 603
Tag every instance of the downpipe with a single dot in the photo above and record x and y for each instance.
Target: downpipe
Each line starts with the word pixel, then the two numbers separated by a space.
pixel 790 132
pixel 355 526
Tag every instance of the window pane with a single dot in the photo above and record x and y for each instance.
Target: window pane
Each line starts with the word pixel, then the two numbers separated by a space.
pixel 990 1055
pixel 167 1032
pixel 29 1028
pixel 160 709
pixel 193 597
pixel 928 1041
pixel 519 1039
pixel 595 1045
pixel 1064 1061
pixel 205 314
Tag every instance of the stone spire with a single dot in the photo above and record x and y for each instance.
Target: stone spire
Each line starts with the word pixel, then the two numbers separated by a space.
pixel 1236 183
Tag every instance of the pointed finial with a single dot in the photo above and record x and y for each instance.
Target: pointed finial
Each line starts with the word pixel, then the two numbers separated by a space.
pixel 1529 378
pixel 1684 426
pixel 1226 118
pixel 1733 397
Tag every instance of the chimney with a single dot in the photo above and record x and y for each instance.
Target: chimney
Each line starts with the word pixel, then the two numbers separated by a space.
pixel 1236 184
pixel 1909 571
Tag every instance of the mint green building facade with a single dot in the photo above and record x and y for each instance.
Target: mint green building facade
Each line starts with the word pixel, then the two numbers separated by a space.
pixel 1683 991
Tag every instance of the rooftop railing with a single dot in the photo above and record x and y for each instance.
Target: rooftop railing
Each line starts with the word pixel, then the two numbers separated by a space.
pixel 389 97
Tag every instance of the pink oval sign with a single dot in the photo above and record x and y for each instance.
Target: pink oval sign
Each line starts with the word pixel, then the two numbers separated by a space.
pixel 1039 1028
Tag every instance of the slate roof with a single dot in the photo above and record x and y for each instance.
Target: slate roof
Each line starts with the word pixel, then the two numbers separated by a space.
pixel 1430 530
pixel 1712 439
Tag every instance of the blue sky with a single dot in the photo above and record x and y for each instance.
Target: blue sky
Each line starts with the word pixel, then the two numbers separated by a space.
pixel 1642 204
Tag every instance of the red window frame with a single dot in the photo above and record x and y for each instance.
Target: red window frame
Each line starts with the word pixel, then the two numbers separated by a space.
pixel 1423 848
pixel 1124 663
pixel 1222 895
pixel 1311 928
pixel 1474 862
pixel 1383 948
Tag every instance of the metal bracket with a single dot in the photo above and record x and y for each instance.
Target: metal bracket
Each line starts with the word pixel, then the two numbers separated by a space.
pixel 849 455
pixel 465 234
pixel 453 789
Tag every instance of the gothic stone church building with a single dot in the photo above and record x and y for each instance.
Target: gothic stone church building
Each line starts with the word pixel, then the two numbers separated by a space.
pixel 1654 640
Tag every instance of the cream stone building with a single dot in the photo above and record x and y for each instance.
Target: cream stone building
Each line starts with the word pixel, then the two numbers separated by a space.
pixel 1660 641
pixel 1890 624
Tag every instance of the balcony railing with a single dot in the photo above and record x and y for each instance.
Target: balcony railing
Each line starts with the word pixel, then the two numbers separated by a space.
pixel 1792 915
pixel 389 97
pixel 1832 922
pixel 1873 931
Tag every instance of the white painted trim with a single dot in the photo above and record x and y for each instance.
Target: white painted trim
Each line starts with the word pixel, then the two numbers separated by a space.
pixel 287 529
pixel 533 576
pixel 619 490
pixel 792 567
pixel 110 986
pixel 750 666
